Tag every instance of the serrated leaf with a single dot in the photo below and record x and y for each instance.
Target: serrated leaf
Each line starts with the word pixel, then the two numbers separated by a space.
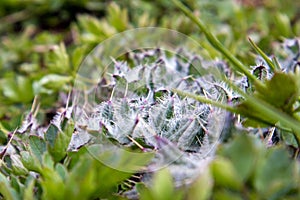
pixel 51 135
pixel 30 161
pixel 281 91
pixel 58 59
pixel 37 146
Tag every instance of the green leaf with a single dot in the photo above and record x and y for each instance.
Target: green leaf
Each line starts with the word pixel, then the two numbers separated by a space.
pixel 48 161
pixel 81 182
pixel 117 18
pixel 283 25
pixel 89 178
pixel 263 55
pixel 122 159
pixel 58 59
pixel 51 135
pixel 51 83
pixel 94 30
pixel 162 186
pixel 262 111
pixel 61 170
pixel 202 187
pixel 242 153
pixel 226 195
pixel 225 174
pixel 274 176
pixel 37 146
pixel 29 190
pixel 17 89
pixel 78 56
pixel 281 91
pixel 144 192
pixel 289 138
pixel 6 190
pixel 59 151
pixel 30 161
pixel 58 140
pixel 17 165
pixel 52 184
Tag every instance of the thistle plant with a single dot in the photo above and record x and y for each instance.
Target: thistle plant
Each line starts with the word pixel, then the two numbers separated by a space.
pixel 143 114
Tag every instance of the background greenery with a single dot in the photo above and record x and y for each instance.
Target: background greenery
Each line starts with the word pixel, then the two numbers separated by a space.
pixel 42 45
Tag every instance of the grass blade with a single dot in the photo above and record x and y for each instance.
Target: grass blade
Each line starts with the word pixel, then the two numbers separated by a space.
pixel 216 43
pixel 263 55
pixel 205 100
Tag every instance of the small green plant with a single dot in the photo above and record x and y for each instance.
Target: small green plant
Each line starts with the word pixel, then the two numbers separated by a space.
pixel 35 164
pixel 269 101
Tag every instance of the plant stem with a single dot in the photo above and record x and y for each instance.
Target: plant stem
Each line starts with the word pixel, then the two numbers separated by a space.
pixel 205 100
pixel 263 55
pixel 269 110
pixel 217 44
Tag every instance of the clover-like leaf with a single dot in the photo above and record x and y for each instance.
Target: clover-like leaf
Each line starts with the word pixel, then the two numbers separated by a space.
pixel 281 91
pixel 37 146
pixel 58 142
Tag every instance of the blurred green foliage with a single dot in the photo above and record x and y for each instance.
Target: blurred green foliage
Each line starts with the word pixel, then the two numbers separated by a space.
pixel 42 44
pixel 31 30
